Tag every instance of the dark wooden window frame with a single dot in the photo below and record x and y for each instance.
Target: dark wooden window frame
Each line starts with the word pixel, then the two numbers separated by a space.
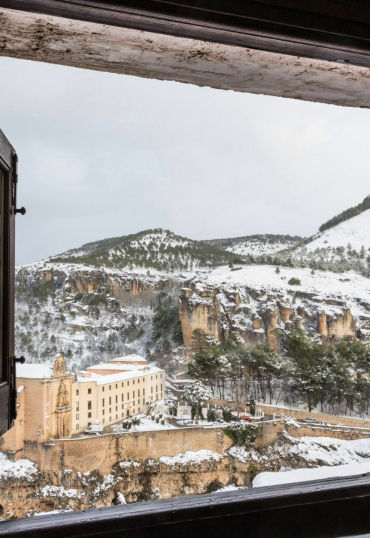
pixel 334 30
pixel 7 377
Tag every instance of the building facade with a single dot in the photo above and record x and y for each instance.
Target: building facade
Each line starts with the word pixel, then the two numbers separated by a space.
pixel 53 403
pixel 106 399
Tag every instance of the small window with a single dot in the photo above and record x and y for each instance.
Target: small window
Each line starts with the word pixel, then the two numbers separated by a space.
pixel 77 392
pixel 110 387
pixel 77 426
pixel 88 424
pixel 103 402
pixel 89 404
pixel 88 415
pixel 77 416
pixel 88 391
pixel 110 400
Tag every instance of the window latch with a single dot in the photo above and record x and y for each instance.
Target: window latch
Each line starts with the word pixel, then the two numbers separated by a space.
pixel 20 359
pixel 21 210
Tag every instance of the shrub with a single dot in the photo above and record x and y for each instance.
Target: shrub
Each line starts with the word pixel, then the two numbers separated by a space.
pixel 226 414
pixel 294 281
pixel 242 434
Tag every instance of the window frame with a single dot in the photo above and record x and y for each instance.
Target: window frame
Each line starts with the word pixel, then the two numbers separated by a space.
pixel 8 164
pixel 333 507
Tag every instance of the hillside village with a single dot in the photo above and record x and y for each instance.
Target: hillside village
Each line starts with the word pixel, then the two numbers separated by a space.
pixel 162 336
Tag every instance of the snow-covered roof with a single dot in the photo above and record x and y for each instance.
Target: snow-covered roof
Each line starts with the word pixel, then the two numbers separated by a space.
pixel 34 371
pixel 129 358
pixel 115 367
pixel 114 378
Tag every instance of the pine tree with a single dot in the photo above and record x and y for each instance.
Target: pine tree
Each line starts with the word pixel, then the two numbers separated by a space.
pixel 252 405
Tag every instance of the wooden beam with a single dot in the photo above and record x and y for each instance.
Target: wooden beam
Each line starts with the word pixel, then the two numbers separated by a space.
pixel 147 54
pixel 332 30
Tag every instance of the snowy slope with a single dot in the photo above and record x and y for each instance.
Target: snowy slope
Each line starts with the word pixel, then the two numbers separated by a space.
pixel 322 283
pixel 257 245
pixel 355 231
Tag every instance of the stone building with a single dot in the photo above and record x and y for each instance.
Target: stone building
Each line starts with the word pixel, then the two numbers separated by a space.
pixel 53 403
pixel 44 406
pixel 107 398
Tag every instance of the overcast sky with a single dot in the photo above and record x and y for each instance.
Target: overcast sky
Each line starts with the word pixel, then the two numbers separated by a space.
pixel 103 155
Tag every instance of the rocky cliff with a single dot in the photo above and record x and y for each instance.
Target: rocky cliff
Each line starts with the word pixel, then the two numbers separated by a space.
pixel 91 311
pixel 260 304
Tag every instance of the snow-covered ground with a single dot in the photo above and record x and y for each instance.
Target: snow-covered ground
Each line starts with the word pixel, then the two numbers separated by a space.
pixel 21 469
pixel 355 231
pixel 146 425
pixel 264 277
pixel 256 247
pixel 304 475
pixel 324 456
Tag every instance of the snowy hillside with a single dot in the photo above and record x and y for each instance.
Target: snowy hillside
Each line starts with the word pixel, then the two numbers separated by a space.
pixel 256 245
pixel 94 314
pixel 158 249
pixel 353 287
pixel 352 234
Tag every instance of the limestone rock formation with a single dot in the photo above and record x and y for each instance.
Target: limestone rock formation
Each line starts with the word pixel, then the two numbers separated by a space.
pixel 262 314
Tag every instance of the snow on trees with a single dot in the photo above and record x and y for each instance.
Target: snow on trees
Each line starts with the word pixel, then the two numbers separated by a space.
pixel 196 394
pixel 172 403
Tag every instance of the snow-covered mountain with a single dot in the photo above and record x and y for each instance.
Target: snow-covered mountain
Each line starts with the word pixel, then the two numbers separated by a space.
pixel 256 245
pixel 158 249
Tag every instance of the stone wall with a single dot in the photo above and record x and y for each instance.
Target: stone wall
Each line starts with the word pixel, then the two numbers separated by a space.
pixel 102 452
pixel 336 433
pixel 300 415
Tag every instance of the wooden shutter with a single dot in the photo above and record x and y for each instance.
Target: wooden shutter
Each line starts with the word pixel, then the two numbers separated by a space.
pixel 7 264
